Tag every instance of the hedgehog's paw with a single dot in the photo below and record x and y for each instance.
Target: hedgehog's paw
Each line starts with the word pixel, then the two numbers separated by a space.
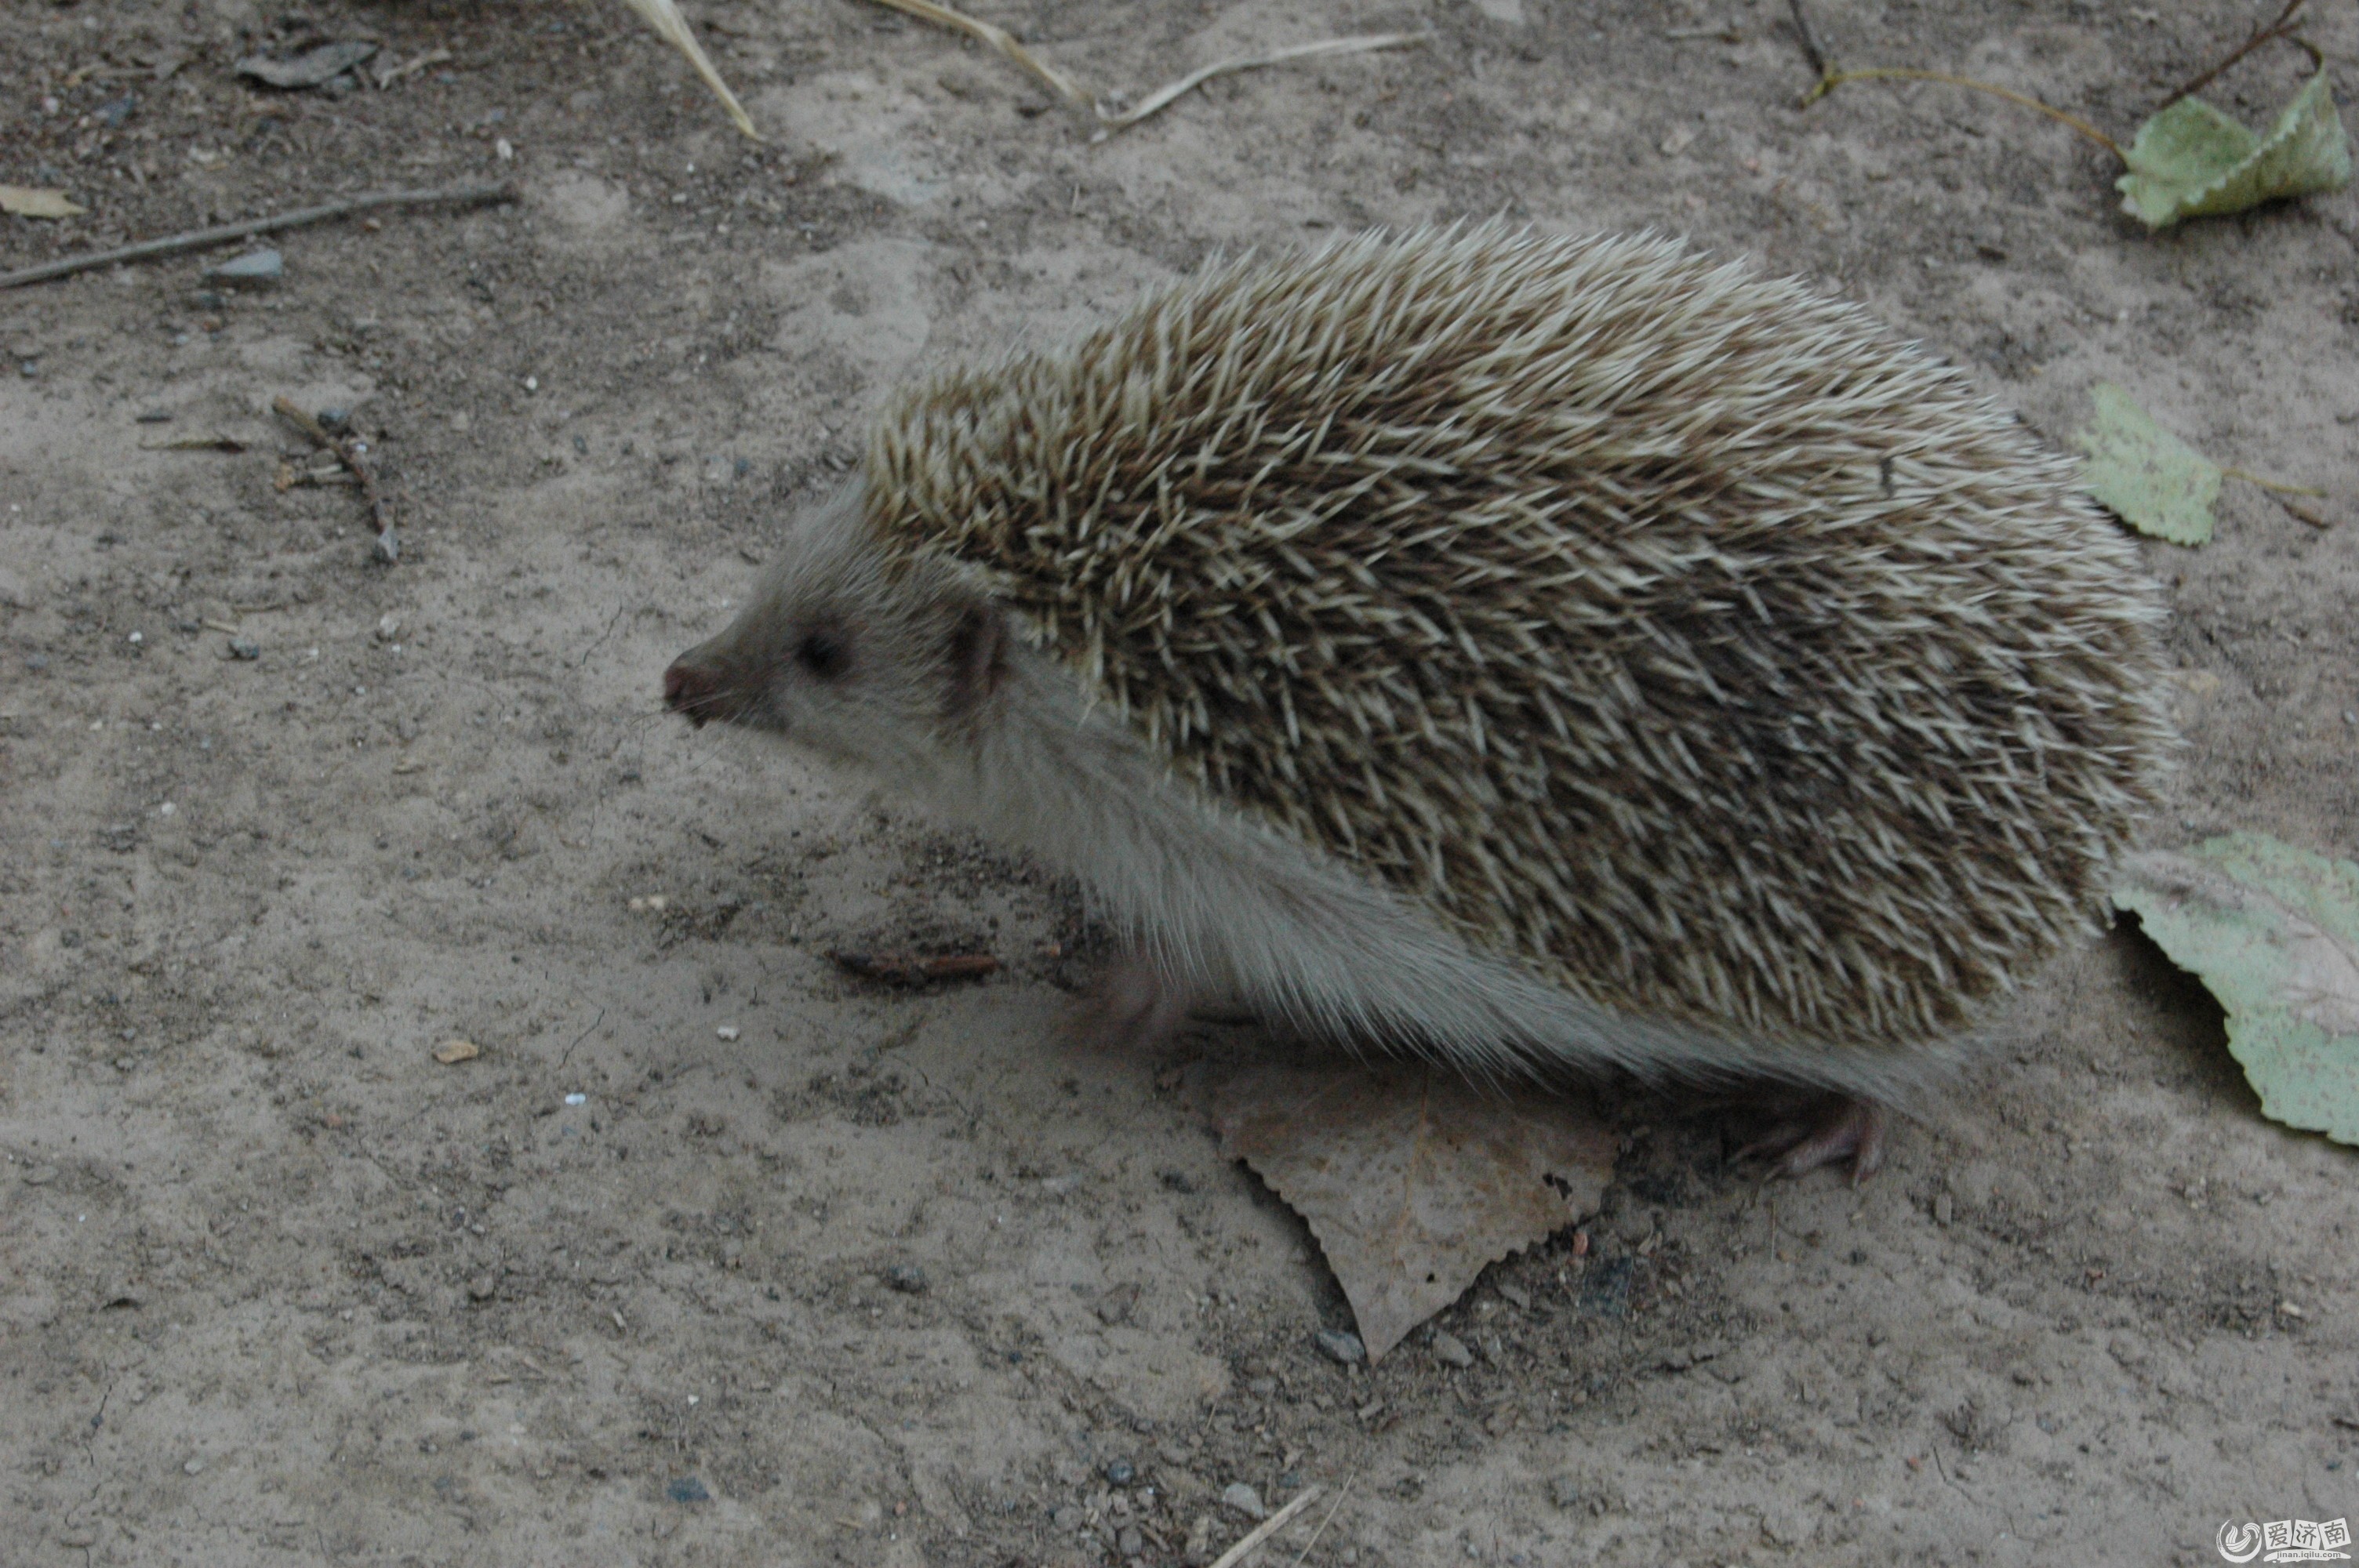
pixel 1135 1006
pixel 1844 1129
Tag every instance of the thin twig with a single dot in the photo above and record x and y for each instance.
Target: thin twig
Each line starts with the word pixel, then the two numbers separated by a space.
pixel 353 454
pixel 1048 75
pixel 2275 486
pixel 1265 1529
pixel 2277 29
pixel 1165 94
pixel 1834 79
pixel 1340 1497
pixel 1811 42
pixel 1076 96
pixel 229 234
pixel 916 968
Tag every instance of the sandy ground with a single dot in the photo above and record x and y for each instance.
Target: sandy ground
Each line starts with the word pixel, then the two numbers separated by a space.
pixel 277 1287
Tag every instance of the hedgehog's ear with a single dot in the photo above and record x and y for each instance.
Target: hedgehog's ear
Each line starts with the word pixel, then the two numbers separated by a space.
pixel 977 656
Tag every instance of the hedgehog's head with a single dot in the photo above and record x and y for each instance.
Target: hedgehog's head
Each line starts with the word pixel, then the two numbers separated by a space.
pixel 839 650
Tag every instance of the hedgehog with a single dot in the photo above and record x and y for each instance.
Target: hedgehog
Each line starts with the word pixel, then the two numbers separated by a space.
pixel 1535 652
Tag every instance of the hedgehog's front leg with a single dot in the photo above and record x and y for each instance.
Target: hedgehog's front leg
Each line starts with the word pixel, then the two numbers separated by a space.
pixel 1135 1006
pixel 1844 1127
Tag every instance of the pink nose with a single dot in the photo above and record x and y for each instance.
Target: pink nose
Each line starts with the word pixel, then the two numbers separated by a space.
pixel 694 689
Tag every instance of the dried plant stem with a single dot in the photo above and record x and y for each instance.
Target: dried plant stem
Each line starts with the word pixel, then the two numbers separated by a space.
pixel 1265 1529
pixel 352 454
pixel 229 234
pixel 2275 487
pixel 1078 97
pixel 1836 79
pixel 1000 38
pixel 663 16
pixel 2281 28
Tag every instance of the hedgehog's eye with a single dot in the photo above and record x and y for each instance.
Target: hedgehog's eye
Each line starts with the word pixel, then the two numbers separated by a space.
pixel 823 654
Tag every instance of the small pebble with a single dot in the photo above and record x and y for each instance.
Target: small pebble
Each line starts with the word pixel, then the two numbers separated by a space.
pixel 388 627
pixel 193 1467
pixel 255 266
pixel 1515 1296
pixel 1244 1500
pixel 906 1278
pixel 687 1489
pixel 1341 1347
pixel 1450 1350
pixel 1130 1543
pixel 577 1100
pixel 245 648
pixel 726 1031
pixel 1120 1472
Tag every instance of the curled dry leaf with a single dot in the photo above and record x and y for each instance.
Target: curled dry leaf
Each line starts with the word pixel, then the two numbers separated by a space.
pixel 2193 161
pixel 1411 1179
pixel 2273 932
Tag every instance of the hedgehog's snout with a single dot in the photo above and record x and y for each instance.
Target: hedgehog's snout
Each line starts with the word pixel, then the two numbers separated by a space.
pixel 704 686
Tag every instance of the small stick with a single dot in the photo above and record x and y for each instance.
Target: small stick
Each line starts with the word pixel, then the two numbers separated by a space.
pixel 1265 1529
pixel 1809 41
pixel 917 968
pixel 349 453
pixel 2277 29
pixel 229 234
pixel 1341 1498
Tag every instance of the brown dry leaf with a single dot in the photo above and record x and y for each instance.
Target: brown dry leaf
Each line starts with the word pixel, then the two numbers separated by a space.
pixel 450 1053
pixel 1411 1179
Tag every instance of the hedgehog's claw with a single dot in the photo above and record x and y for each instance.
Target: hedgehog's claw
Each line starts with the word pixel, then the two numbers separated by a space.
pixel 1845 1128
pixel 1134 1007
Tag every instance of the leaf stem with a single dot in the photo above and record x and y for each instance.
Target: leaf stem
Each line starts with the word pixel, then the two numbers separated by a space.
pixel 1836 79
pixel 2274 486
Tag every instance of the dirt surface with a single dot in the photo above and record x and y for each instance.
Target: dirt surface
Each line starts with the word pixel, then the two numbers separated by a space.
pixel 714 1255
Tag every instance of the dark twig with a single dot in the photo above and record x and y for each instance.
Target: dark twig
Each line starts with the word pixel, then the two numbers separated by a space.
pixel 916 968
pixel 2282 28
pixel 229 234
pixel 1810 40
pixel 353 455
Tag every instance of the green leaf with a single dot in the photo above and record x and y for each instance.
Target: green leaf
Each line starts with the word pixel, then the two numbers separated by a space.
pixel 2273 932
pixel 2149 478
pixel 2193 161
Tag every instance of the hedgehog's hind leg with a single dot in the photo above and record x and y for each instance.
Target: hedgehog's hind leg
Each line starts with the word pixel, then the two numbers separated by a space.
pixel 1846 1127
